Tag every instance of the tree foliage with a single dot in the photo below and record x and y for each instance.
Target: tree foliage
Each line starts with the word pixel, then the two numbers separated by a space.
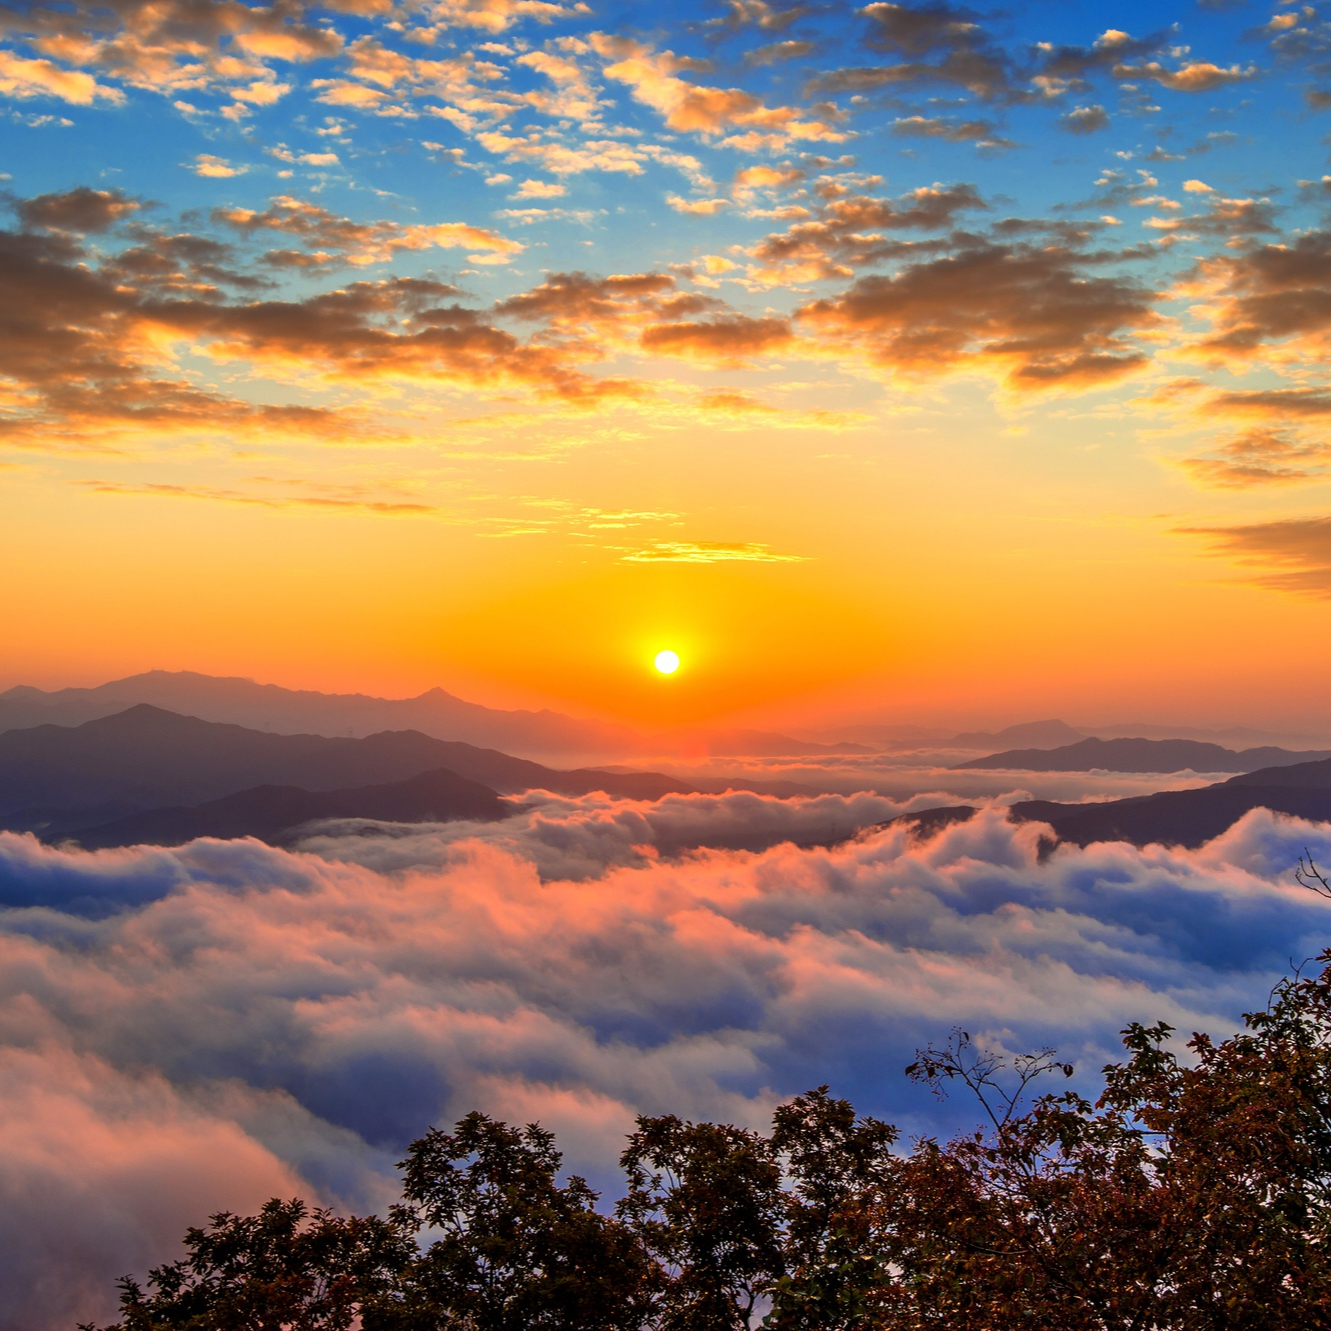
pixel 1193 1195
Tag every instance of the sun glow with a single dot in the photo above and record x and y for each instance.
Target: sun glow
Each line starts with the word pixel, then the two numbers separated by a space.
pixel 667 662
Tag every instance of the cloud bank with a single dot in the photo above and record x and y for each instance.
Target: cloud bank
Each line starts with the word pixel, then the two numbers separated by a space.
pixel 185 1030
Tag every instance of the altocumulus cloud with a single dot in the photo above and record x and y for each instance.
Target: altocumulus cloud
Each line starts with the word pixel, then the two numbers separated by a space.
pixel 185 1030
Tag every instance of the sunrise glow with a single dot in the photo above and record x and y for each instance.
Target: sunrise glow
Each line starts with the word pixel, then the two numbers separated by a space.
pixel 570 561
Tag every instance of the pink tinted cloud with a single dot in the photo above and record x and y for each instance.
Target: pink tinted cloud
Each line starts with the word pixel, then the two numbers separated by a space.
pixel 254 1021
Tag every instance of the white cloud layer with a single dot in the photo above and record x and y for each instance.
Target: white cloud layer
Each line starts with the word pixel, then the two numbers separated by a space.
pixel 187 1030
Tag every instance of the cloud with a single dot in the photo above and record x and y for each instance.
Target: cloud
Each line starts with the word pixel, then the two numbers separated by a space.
pixel 148 1158
pixel 744 407
pixel 498 15
pixel 333 502
pixel 561 160
pixel 580 300
pixel 1027 314
pixel 1115 52
pixel 1192 76
pixel 1289 555
pixel 951 130
pixel 761 14
pixel 845 232
pixel 1271 294
pixel 1260 457
pixel 1085 120
pixel 775 53
pixel 89 351
pixel 254 1021
pixel 80 210
pixel 744 119
pixel 540 189
pixel 42 78
pixel 708 552
pixel 938 43
pixel 215 168
pixel 731 340
pixel 328 238
pixel 697 207
pixel 164 46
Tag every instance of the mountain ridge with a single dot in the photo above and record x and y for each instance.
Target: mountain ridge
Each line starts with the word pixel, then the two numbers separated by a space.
pixel 56 779
pixel 272 813
pixel 1187 818
pixel 237 701
pixel 1141 755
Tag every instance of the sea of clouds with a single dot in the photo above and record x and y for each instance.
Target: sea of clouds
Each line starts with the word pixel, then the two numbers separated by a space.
pixel 187 1030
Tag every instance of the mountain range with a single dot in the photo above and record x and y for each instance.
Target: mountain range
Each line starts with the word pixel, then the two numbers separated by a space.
pixel 1141 755
pixel 540 734
pixel 1171 817
pixel 276 813
pixel 58 779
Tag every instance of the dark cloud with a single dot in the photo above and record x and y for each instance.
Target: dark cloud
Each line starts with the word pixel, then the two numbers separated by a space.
pixel 82 341
pixel 1271 293
pixel 1271 402
pixel 952 130
pixel 845 231
pixel 938 43
pixel 778 52
pixel 731 341
pixel 1085 120
pixel 183 264
pixel 573 301
pixel 1032 315
pixel 1075 64
pixel 918 30
pixel 1290 555
pixel 762 14
pixel 80 210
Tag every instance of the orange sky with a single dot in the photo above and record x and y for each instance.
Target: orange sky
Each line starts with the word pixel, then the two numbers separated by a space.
pixel 501 353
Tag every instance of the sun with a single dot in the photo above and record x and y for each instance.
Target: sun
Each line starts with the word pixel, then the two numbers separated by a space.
pixel 667 662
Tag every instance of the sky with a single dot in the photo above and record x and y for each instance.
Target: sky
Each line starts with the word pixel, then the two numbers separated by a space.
pixel 901 360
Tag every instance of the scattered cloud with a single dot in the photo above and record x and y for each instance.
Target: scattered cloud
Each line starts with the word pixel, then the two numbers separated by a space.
pixel 1289 554
pixel 215 168
pixel 81 211
pixel 1260 457
pixel 1029 315
pixel 731 340
pixel 708 552
pixel 952 130
pixel 1085 120
pixel 215 494
pixel 328 238
pixel 739 118
pixel 845 230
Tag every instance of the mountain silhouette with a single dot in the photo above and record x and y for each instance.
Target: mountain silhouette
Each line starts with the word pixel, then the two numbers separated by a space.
pixel 541 734
pixel 1035 734
pixel 57 779
pixel 272 813
pixel 1186 818
pixel 1141 755
pixel 344 715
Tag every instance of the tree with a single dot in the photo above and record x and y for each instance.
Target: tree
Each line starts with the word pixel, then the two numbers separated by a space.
pixel 839 1171
pixel 289 1268
pixel 706 1199
pixel 518 1252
